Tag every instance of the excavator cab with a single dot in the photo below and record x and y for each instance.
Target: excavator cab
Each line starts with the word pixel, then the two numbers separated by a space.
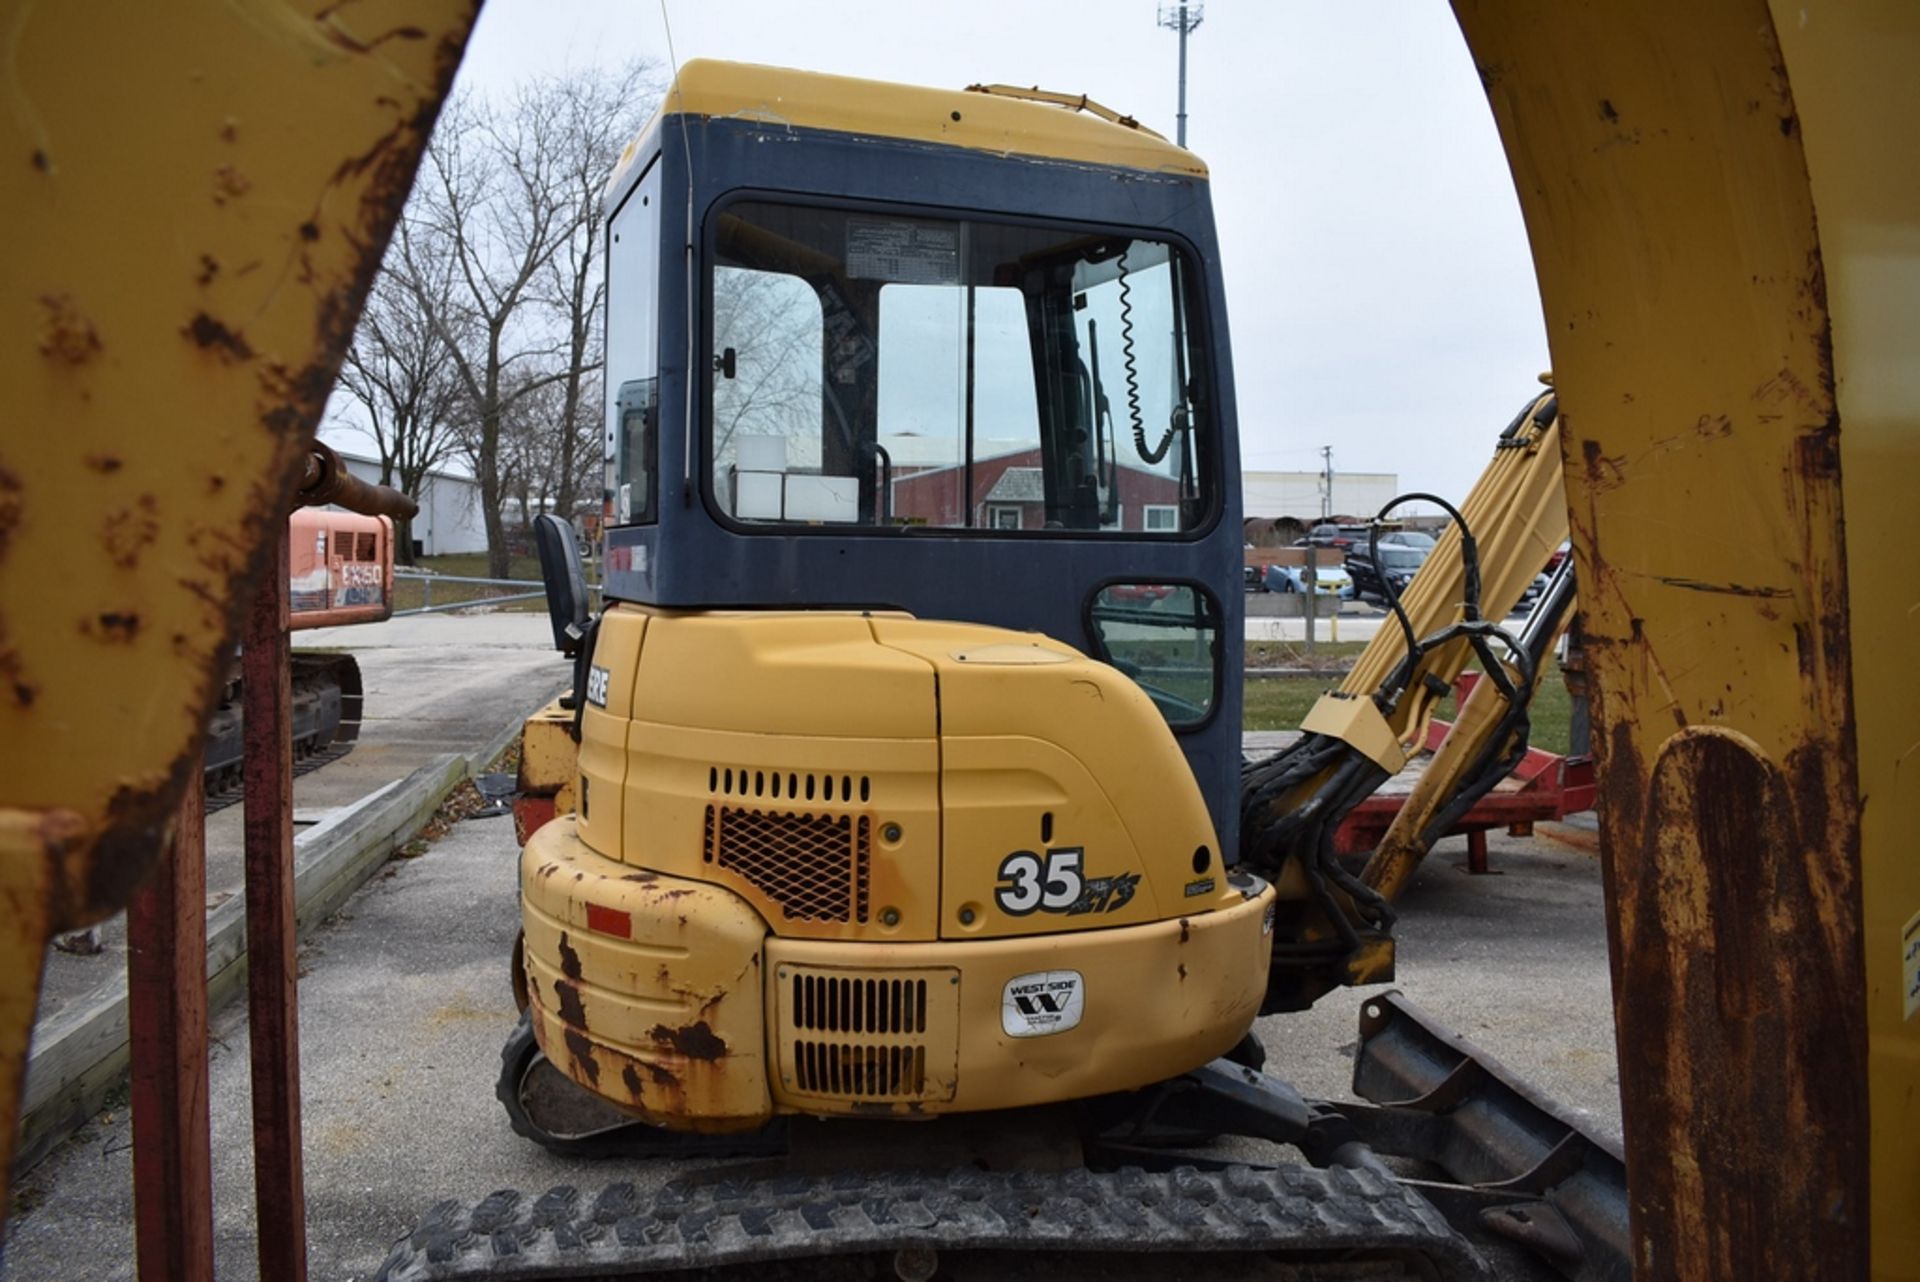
pixel 900 767
pixel 952 354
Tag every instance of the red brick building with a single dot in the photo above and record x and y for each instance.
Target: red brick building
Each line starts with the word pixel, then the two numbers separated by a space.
pixel 1008 495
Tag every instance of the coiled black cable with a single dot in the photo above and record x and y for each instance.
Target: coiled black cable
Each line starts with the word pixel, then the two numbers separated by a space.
pixel 1130 364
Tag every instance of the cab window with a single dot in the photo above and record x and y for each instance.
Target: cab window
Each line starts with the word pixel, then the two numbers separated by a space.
pixel 888 371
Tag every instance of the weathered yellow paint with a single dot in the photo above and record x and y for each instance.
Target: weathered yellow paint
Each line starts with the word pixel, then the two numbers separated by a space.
pixel 549 758
pixel 200 194
pixel 1161 999
pixel 1072 739
pixel 949 747
pixel 672 1023
pixel 880 109
pixel 757 713
pixel 1858 103
pixel 602 765
pixel 1684 189
pixel 1357 720
pixel 665 1021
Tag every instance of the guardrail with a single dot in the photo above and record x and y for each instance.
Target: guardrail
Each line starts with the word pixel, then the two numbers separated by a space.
pixel 535 590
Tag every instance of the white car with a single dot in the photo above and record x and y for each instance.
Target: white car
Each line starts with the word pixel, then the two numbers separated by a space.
pixel 1329 580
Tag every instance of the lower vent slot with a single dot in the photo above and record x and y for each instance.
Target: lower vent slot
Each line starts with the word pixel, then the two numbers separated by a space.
pixel 860 1071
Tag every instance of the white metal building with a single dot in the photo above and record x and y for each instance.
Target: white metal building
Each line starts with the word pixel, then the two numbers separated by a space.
pixel 449 519
pixel 1272 495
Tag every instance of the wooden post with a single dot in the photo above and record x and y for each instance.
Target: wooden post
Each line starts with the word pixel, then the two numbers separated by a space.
pixel 272 998
pixel 1312 581
pixel 167 1014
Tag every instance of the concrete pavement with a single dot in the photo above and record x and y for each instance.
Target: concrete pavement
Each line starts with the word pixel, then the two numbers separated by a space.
pixel 444 696
pixel 434 684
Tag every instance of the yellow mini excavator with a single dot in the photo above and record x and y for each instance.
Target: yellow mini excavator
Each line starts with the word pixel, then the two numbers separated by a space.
pixel 969 833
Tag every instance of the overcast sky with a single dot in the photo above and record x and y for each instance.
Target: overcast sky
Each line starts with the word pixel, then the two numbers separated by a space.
pixel 1378 282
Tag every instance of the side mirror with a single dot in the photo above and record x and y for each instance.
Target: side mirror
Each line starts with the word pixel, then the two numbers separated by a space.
pixel 565 581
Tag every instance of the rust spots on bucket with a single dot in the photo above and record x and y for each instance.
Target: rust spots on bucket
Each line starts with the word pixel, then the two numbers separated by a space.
pixel 569 959
pixel 68 337
pixel 212 335
pixel 130 531
pixel 229 184
pixel 13 507
pixel 116 627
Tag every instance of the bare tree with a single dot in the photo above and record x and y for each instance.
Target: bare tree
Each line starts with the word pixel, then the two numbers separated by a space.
pixel 397 372
pixel 530 448
pixel 771 323
pixel 597 113
pixel 492 208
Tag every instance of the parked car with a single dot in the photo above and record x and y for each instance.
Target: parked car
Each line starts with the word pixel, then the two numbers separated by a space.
pixel 1343 537
pixel 1329 580
pixel 1397 564
pixel 1404 539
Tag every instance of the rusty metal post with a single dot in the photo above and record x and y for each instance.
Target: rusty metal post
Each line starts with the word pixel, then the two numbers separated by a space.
pixel 1477 852
pixel 167 1013
pixel 272 998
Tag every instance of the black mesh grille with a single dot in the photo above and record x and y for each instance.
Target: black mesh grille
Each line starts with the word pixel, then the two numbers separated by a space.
pixel 815 867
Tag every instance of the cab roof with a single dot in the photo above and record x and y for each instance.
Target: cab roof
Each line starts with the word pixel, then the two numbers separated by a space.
pixel 989 121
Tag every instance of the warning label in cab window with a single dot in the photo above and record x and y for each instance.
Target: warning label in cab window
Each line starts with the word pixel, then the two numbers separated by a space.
pixel 1047 1002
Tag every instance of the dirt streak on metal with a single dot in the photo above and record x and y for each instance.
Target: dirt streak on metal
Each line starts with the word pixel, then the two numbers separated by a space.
pixel 1733 886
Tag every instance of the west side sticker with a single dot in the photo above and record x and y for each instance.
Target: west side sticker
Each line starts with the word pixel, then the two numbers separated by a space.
pixel 1043 1003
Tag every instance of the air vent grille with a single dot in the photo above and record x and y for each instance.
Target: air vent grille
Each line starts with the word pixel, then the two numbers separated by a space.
pixel 789 785
pixel 867 1035
pixel 812 867
pixel 841 1003
pixel 855 1071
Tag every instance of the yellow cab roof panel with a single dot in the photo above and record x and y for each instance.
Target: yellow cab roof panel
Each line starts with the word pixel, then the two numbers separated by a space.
pixel 876 108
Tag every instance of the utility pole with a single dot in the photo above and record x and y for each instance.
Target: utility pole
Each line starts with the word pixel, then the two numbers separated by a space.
pixel 1183 16
pixel 1326 484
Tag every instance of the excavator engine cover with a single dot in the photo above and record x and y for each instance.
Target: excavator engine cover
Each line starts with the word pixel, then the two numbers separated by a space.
pixel 839 863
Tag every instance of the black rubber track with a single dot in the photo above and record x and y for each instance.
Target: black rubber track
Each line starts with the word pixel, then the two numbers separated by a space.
pixel 718 1222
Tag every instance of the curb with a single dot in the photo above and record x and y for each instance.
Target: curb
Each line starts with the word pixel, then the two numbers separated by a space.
pixel 78 1056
